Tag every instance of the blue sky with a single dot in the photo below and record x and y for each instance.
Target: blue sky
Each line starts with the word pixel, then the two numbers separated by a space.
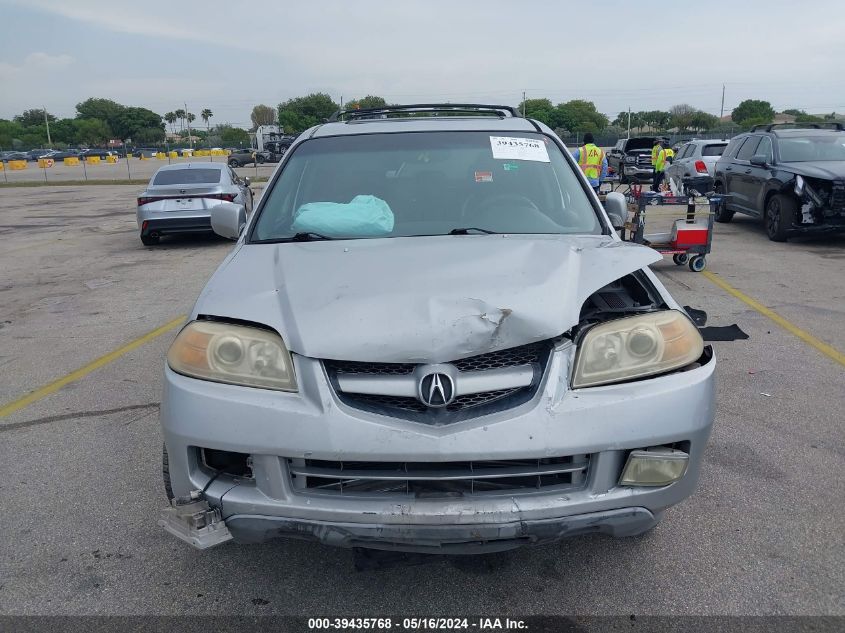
pixel 229 56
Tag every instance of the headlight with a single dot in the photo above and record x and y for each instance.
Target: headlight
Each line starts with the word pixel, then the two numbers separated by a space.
pixel 630 159
pixel 799 185
pixel 636 346
pixel 233 354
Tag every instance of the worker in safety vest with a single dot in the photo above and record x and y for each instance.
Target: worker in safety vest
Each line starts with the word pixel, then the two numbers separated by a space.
pixel 670 155
pixel 592 161
pixel 658 163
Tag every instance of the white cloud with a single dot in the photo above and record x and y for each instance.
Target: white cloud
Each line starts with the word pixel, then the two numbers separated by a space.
pixel 34 62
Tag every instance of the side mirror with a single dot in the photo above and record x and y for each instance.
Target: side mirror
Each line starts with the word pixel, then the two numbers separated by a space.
pixel 616 209
pixel 247 181
pixel 759 160
pixel 228 220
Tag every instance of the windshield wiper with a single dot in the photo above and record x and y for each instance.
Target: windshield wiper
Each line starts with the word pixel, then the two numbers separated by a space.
pixel 309 236
pixel 474 229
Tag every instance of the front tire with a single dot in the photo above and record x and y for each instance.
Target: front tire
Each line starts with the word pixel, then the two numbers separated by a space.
pixel 780 213
pixel 233 163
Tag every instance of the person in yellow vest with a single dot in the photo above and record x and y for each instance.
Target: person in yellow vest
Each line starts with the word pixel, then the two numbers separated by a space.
pixel 658 163
pixel 592 161
pixel 670 155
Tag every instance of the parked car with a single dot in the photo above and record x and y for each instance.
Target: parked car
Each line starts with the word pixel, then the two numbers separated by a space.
pixel 179 198
pixel 12 155
pixel 631 159
pixel 95 151
pixel 58 155
pixel 243 157
pixel 147 152
pixel 35 154
pixel 429 337
pixel 792 177
pixel 694 159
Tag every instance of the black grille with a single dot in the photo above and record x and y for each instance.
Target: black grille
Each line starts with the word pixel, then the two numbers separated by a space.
pixel 463 407
pixel 439 479
pixel 837 198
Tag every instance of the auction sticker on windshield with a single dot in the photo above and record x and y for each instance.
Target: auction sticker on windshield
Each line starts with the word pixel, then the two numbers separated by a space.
pixel 516 148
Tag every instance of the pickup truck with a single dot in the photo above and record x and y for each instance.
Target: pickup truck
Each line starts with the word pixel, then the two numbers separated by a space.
pixel 631 159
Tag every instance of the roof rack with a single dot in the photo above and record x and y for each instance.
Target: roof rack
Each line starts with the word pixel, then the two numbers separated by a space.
pixel 430 109
pixel 768 127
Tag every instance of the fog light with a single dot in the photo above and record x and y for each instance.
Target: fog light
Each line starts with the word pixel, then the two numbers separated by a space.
pixel 654 467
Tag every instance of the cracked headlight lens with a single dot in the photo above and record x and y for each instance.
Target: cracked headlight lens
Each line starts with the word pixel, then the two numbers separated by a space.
pixel 234 354
pixel 634 347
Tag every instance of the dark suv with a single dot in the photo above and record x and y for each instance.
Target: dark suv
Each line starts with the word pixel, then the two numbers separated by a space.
pixel 792 177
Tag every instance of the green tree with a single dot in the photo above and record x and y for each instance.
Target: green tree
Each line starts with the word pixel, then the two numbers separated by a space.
pixel 92 131
pixel 63 131
pixel 180 116
pixel 97 108
pixel 370 101
pixel 702 121
pixel 794 112
pixel 234 136
pixel 263 115
pixel 539 109
pixel 753 109
pixel 579 116
pixel 28 118
pixel 300 113
pixel 205 115
pixel 10 131
pixel 170 117
pixel 129 121
pixel 680 116
pixel 808 118
pixel 149 136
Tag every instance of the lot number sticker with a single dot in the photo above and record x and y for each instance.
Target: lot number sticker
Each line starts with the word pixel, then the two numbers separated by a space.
pixel 515 148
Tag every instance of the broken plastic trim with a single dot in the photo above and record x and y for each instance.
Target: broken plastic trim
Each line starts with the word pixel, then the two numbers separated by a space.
pixel 191 519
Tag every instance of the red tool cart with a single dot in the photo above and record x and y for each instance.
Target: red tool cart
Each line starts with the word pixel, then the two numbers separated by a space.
pixel 690 236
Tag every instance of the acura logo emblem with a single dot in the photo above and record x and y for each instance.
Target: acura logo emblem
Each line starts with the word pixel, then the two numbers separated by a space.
pixel 436 389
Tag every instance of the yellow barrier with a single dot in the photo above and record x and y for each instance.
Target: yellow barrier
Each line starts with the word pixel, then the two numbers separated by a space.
pixel 2 165
pixel 161 155
pixel 111 159
pixel 71 160
pixel 173 154
pixel 92 160
pixel 17 164
pixel 218 152
pixel 44 163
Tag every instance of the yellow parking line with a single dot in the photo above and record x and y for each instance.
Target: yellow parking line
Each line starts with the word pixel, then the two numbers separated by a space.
pixel 54 386
pixel 824 348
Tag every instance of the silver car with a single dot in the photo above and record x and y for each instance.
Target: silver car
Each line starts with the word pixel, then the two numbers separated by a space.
pixel 179 198
pixel 693 159
pixel 428 337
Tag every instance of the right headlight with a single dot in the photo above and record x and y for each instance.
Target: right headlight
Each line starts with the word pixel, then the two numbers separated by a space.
pixel 634 347
pixel 630 159
pixel 234 354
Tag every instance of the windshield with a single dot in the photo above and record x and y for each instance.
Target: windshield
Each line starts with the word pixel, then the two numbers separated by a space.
pixel 802 149
pixel 408 184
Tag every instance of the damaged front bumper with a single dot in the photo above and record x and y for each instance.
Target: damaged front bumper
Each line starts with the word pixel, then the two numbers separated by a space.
pixel 278 431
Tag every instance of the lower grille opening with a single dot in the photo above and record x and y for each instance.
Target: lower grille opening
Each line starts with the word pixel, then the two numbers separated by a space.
pixel 227 462
pixel 438 479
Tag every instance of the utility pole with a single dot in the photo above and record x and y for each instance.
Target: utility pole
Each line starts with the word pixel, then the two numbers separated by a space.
pixel 629 121
pixel 190 140
pixel 722 109
pixel 523 104
pixel 47 123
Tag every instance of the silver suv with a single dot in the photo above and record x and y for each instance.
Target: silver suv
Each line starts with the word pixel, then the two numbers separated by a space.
pixel 428 337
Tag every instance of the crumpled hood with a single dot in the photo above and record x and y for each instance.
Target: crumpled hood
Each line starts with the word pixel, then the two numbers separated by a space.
pixel 827 169
pixel 419 299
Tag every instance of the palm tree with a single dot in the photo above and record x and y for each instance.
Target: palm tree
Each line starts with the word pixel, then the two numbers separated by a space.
pixel 180 114
pixel 205 115
pixel 170 117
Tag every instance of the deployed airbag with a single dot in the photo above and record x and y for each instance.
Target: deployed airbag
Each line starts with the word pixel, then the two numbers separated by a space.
pixel 361 216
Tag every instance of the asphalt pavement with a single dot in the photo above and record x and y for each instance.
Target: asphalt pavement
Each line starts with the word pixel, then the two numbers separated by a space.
pixel 80 478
